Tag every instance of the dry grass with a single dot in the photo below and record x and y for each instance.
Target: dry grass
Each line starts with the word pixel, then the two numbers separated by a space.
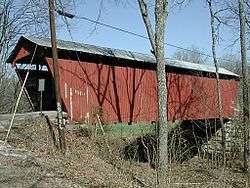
pixel 96 162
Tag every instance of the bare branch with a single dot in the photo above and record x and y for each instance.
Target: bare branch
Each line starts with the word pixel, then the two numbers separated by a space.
pixel 147 22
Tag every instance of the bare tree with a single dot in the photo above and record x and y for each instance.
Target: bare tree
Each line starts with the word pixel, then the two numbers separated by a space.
pixel 157 39
pixel 16 18
pixel 245 89
pixel 20 18
pixel 218 90
pixel 23 18
pixel 193 55
pixel 230 17
pixel 231 62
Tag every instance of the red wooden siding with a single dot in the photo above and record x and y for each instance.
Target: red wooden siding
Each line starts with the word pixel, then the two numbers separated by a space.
pixel 129 94
pixel 23 52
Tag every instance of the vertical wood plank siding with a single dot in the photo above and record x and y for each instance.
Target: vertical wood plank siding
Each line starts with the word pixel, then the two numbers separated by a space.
pixel 126 94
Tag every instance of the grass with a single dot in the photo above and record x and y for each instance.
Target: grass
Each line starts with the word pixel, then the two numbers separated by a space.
pixel 125 131
pixel 122 130
pixel 88 162
pixel 118 130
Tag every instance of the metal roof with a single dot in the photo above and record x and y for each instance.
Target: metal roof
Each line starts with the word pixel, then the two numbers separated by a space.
pixel 110 52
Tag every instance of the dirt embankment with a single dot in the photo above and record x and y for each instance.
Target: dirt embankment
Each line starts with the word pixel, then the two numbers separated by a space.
pixel 31 161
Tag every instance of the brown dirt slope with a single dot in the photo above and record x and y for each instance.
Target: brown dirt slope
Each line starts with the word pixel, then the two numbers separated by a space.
pixel 31 161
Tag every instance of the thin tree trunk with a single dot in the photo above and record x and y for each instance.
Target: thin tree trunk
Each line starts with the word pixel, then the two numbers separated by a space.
pixel 244 87
pixel 147 22
pixel 218 90
pixel 157 43
pixel 161 14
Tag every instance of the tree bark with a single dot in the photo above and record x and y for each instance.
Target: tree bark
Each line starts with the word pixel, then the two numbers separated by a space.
pixel 157 42
pixel 244 86
pixel 147 22
pixel 218 90
pixel 161 14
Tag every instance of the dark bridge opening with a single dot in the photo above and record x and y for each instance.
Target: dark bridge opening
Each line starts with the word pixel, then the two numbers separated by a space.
pixel 185 142
pixel 37 70
pixel 31 87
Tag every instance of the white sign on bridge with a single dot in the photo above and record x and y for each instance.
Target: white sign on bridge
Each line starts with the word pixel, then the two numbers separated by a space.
pixel 41 84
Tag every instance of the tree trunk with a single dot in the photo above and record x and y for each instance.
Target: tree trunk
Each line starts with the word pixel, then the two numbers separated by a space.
pixel 147 22
pixel 160 18
pixel 157 43
pixel 218 91
pixel 244 87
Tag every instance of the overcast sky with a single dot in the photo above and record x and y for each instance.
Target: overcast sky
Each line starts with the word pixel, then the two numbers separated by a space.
pixel 186 27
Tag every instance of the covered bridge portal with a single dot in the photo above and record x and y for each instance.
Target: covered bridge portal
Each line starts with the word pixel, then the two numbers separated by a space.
pixel 120 85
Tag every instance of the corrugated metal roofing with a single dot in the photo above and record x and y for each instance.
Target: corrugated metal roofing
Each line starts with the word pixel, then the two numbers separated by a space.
pixel 110 52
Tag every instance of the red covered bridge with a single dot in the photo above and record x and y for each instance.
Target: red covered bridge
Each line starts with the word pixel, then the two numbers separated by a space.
pixel 120 85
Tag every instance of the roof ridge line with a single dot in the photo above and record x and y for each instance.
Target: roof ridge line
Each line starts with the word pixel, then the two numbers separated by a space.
pixel 125 54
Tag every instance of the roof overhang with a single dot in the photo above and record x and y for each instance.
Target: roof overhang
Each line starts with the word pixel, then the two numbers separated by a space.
pixel 30 42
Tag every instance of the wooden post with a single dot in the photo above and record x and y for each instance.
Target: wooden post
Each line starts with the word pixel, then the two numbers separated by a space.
pixel 60 122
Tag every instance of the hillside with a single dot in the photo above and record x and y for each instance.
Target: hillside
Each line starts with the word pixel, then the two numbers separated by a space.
pixel 94 161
